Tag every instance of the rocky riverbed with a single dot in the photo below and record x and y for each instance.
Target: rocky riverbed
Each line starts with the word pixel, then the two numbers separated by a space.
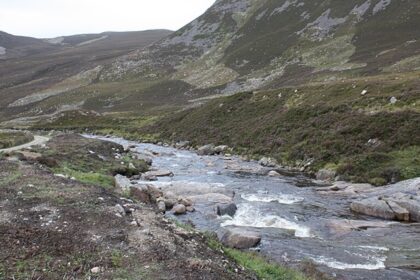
pixel 285 219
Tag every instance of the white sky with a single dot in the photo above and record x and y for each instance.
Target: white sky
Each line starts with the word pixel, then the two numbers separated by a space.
pixel 53 18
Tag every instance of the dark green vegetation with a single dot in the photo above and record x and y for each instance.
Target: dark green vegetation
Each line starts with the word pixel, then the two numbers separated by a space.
pixel 364 138
pixel 14 138
pixel 88 160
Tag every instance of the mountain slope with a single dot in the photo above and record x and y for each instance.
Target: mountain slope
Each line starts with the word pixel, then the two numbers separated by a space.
pixel 34 69
pixel 236 45
pixel 245 44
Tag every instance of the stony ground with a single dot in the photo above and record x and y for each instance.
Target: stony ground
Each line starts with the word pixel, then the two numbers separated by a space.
pixel 54 227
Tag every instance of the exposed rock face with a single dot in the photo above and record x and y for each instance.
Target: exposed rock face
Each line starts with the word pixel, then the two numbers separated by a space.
pixel 121 182
pixel 240 239
pixel 226 209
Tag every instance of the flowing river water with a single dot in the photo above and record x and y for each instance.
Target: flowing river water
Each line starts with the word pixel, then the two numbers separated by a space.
pixel 296 222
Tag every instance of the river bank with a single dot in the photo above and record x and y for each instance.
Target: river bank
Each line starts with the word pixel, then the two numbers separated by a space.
pixel 61 217
pixel 295 223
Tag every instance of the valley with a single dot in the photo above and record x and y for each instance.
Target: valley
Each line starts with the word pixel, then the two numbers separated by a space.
pixel 265 139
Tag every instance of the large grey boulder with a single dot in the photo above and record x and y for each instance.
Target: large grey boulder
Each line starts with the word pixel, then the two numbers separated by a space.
pixel 240 239
pixel 373 207
pixel 179 209
pixel 206 150
pixel 399 207
pixel 121 182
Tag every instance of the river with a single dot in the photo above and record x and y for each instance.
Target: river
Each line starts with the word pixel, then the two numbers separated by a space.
pixel 296 222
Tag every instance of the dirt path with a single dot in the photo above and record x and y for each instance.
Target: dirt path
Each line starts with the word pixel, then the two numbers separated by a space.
pixel 38 140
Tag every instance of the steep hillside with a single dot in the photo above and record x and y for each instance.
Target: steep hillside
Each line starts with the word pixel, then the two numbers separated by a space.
pixel 245 44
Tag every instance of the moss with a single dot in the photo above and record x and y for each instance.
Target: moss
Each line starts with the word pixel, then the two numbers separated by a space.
pixel 98 179
pixel 262 268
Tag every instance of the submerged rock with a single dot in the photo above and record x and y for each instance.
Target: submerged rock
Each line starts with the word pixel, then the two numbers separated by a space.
pixel 158 173
pixel 240 239
pixel 226 209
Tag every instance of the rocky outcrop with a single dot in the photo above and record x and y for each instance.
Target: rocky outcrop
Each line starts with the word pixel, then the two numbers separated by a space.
pixel 240 239
pixel 206 150
pixel 267 162
pixel 325 175
pixel 399 207
pixel 121 182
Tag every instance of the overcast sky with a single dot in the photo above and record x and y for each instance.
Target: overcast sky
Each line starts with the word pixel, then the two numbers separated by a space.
pixel 53 18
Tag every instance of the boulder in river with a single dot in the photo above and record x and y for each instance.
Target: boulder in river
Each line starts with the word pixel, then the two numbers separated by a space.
pixel 273 173
pixel 240 239
pixel 226 209
pixel 400 209
pixel 206 150
pixel 158 173
pixel 185 201
pixel 179 209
